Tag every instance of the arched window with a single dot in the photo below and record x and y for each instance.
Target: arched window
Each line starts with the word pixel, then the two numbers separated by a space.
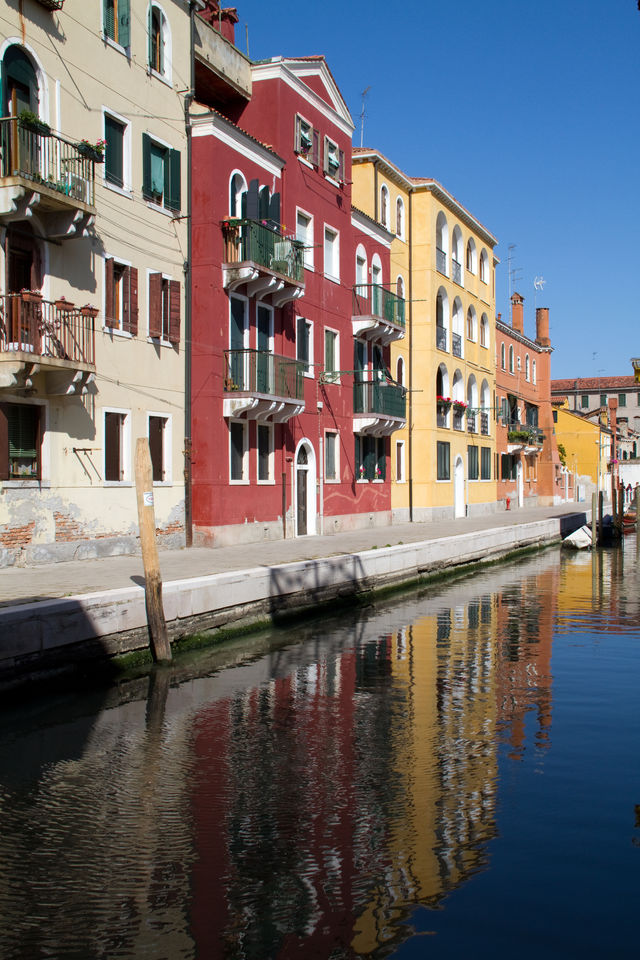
pixel 484 331
pixel 237 195
pixel 511 358
pixel 400 371
pixel 384 205
pixel 472 325
pixel 159 42
pixel 400 218
pixel 442 244
pixel 400 288
pixel 534 372
pixel 472 394
pixel 503 357
pixel 527 371
pixel 456 255
pixel 472 257
pixel 484 266
pixel 443 396
pixel 485 406
pixel 457 328
pixel 361 272
pixel 19 83
pixel 442 319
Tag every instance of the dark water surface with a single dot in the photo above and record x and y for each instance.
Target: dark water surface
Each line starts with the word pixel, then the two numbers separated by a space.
pixel 452 774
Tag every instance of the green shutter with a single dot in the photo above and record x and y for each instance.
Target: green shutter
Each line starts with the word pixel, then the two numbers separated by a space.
pixel 108 24
pixel 146 166
pixel 23 431
pixel 124 29
pixel 114 152
pixel 150 36
pixel 172 180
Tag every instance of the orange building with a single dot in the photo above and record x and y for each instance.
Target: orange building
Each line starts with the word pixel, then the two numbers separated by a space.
pixel 529 470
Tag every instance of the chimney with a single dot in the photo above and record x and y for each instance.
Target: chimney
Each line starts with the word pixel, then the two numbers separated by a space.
pixel 517 312
pixel 542 327
pixel 221 18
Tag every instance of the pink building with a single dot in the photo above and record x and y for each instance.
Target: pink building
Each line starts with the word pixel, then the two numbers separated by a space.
pixel 292 401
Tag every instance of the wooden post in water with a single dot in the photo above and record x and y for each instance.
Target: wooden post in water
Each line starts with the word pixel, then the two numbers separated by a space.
pixel 159 641
pixel 594 518
pixel 600 509
pixel 614 504
pixel 621 503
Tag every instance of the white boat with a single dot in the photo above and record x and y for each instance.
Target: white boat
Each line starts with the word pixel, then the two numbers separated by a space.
pixel 579 540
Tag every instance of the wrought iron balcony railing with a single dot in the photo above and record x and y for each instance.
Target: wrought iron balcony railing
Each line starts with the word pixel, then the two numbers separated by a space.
pixel 250 240
pixel 441 261
pixel 456 271
pixel 484 424
pixel 379 398
pixel 458 421
pixel 260 372
pixel 60 330
pixel 456 344
pixel 441 338
pixel 46 159
pixel 471 422
pixel 372 299
pixel 523 433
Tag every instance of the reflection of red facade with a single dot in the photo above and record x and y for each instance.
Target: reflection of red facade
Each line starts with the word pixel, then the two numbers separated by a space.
pixel 267 441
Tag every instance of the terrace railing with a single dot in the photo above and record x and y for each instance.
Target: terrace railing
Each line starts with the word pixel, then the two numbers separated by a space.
pixel 441 261
pixel 441 338
pixel 260 372
pixel 456 271
pixel 456 344
pixel 47 329
pixel 250 240
pixel 46 159
pixel 379 398
pixel 372 299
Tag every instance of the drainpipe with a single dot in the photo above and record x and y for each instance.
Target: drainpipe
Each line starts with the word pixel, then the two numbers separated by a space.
pixel 188 100
pixel 410 319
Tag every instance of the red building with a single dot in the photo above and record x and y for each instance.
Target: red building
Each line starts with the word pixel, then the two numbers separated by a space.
pixel 530 471
pixel 292 402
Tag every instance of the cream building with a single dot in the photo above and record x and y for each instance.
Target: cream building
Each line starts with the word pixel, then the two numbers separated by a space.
pixel 446 465
pixel 93 244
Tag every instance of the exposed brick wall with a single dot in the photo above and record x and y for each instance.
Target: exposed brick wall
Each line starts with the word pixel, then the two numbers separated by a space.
pixel 17 536
pixel 67 529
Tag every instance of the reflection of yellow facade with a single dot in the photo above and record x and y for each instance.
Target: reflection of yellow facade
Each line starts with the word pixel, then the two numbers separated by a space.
pixel 445 764
pixel 586 445
pixel 445 257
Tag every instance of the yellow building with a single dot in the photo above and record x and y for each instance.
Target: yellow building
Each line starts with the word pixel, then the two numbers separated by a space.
pixel 586 445
pixel 442 257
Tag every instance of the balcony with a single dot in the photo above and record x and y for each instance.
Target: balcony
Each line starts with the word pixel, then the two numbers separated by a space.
pixel 484 424
pixel 471 422
pixel 524 436
pixel 378 313
pixel 379 407
pixel 441 338
pixel 456 345
pixel 441 261
pixel 39 336
pixel 262 261
pixel 456 272
pixel 46 174
pixel 223 73
pixel 262 386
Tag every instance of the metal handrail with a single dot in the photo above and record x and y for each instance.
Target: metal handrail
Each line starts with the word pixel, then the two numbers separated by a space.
pixel 251 240
pixel 373 299
pixel 380 397
pixel 46 328
pixel 261 372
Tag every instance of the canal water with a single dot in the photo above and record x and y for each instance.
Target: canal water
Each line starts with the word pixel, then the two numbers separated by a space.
pixel 455 773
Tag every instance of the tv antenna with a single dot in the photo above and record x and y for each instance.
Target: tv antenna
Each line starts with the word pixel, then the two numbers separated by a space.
pixel 538 284
pixel 512 272
pixel 362 115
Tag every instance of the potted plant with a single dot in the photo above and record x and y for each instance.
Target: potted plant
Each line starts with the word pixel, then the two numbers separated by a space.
pixel 444 402
pixel 92 151
pixel 459 406
pixel 31 121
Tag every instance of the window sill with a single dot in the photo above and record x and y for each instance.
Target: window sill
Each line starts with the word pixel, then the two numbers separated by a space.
pixel 125 51
pixel 123 191
pixel 238 483
pixel 266 483
pixel 117 483
pixel 309 376
pixel 309 267
pixel 31 483
pixel 331 278
pixel 331 482
pixel 163 483
pixel 306 162
pixel 335 183
pixel 117 332
pixel 161 77
pixel 159 341
pixel 173 214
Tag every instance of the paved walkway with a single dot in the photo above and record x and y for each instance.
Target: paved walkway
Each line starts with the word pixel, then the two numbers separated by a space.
pixel 26 584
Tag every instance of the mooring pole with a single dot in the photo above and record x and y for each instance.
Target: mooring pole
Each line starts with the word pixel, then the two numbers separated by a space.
pixel 594 518
pixel 158 639
pixel 600 509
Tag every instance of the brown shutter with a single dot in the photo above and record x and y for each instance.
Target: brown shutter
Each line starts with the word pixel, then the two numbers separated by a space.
pixel 315 158
pixel 174 311
pixel 108 294
pixel 155 305
pixel 130 301
pixel 341 167
pixel 156 431
pixel 4 443
pixel 112 446
pixel 325 159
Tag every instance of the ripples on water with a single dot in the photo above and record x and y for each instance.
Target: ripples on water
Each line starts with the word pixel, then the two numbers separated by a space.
pixel 451 774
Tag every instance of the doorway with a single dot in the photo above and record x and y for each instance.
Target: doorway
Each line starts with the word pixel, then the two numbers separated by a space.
pixel 305 490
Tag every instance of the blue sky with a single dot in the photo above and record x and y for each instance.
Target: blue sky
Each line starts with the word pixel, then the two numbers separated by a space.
pixel 527 112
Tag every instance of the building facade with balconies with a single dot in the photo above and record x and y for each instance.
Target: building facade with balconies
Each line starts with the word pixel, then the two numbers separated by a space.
pixel 529 468
pixel 293 399
pixel 443 258
pixel 92 249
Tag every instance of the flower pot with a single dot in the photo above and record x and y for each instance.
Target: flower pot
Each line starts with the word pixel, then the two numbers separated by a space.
pixel 36 126
pixel 90 153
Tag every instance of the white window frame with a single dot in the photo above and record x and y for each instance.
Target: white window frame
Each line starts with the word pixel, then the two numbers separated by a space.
pixel 484 331
pixel 245 329
pixel 400 370
pixel 44 481
pixel 126 447
pixel 238 193
pixel 161 207
pixel 334 277
pixel 167 74
pixel 126 189
pixel 308 251
pixel 484 266
pixel 309 372
pixel 331 148
pixel 333 433
pixel 331 376
pixel 533 372
pixel 400 449
pixel 161 340
pixel 511 363
pixel 245 453
pixel 384 206
pixel 271 478
pixel 362 281
pixel 400 234
pixel 298 145
pixel 167 447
